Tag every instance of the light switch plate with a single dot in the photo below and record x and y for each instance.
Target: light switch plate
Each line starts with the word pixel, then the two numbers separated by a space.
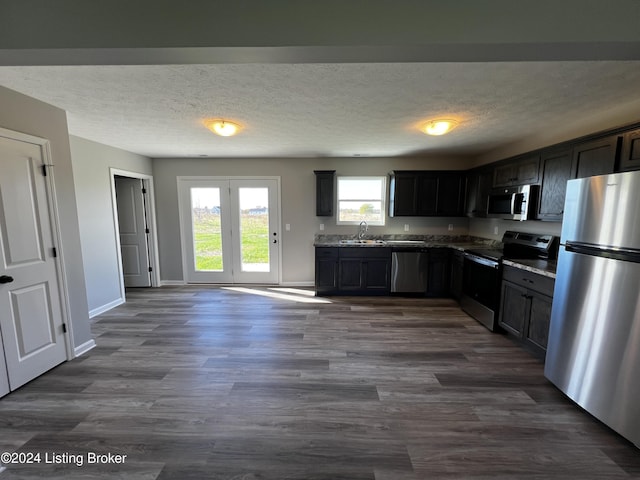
pixel 406 227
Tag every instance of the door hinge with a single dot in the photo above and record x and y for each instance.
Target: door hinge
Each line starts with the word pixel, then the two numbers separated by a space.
pixel 144 190
pixel 147 231
pixel 54 252
pixel 44 170
pixel 150 269
pixel 64 328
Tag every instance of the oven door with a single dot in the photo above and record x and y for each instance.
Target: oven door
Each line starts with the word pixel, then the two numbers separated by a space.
pixel 481 289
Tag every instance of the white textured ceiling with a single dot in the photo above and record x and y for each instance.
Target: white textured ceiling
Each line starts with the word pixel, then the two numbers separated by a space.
pixel 321 110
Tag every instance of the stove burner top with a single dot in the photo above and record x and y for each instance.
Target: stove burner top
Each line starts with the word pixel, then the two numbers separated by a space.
pixel 491 254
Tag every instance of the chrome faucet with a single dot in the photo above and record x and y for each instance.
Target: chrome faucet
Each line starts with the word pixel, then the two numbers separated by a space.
pixel 364 228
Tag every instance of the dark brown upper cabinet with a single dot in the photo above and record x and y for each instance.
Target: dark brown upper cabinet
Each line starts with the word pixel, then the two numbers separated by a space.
pixel 325 181
pixel 630 156
pixel 518 171
pixel 450 194
pixel 403 194
pixel 595 157
pixel 479 183
pixel 555 172
pixel 426 193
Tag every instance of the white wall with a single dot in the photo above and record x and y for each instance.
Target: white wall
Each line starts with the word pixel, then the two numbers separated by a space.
pixel 91 166
pixel 298 204
pixel 28 115
pixel 486 227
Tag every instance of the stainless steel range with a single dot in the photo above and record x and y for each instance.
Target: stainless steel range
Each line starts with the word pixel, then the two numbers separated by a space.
pixel 482 275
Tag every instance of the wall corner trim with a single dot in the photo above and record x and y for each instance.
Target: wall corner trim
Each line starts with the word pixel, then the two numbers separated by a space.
pixel 106 307
pixel 84 348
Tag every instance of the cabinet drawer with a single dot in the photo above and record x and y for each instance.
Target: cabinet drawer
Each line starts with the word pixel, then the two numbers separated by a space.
pixel 326 252
pixel 365 252
pixel 530 280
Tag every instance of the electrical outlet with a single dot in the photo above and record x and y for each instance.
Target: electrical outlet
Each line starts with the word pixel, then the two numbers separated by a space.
pixel 451 227
pixel 406 227
pixel 322 226
pixel 495 230
pixel 287 227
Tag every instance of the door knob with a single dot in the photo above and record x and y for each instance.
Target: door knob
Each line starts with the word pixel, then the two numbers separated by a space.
pixel 6 279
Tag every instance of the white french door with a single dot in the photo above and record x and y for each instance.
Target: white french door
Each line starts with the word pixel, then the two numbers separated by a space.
pixel 230 229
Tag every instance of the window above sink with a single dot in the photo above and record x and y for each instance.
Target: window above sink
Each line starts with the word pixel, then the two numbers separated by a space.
pixel 361 199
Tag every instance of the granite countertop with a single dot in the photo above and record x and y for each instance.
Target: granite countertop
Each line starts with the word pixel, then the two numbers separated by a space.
pixel 462 243
pixel 546 268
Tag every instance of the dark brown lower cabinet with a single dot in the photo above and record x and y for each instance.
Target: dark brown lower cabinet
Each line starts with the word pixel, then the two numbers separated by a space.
pixel 353 271
pixel 457 270
pixel 438 272
pixel 514 308
pixel 364 271
pixel 326 277
pixel 525 308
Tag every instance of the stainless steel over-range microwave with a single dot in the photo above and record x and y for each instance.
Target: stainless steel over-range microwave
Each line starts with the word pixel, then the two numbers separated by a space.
pixel 513 203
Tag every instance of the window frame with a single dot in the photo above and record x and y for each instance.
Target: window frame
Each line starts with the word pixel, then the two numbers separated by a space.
pixel 383 199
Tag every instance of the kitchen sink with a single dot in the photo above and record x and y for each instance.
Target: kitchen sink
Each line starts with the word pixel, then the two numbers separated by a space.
pixel 362 242
pixel 405 242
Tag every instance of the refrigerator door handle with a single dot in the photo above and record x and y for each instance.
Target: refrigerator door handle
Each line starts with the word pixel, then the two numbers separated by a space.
pixel 629 255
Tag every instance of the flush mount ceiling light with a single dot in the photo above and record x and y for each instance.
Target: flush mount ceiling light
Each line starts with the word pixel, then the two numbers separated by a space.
pixel 439 126
pixel 223 128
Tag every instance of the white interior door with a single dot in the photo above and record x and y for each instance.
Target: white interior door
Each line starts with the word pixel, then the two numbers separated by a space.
pixel 31 319
pixel 230 230
pixel 4 379
pixel 134 234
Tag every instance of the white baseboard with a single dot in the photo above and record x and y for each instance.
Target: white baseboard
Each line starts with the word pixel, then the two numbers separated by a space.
pixel 84 348
pixel 172 283
pixel 297 284
pixel 105 308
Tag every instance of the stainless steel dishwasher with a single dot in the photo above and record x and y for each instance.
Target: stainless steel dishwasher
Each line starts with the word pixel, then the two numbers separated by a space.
pixel 409 271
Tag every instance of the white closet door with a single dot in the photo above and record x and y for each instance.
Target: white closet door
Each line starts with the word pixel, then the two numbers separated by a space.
pixel 4 379
pixel 134 237
pixel 30 309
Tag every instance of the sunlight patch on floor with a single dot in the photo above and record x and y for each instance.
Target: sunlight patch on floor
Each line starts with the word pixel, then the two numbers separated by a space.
pixel 296 291
pixel 298 297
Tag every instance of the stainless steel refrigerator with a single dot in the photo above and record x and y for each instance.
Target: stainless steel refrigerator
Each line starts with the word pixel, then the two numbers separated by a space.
pixel 593 354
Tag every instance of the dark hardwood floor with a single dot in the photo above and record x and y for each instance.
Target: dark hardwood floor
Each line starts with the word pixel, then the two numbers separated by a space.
pixel 209 383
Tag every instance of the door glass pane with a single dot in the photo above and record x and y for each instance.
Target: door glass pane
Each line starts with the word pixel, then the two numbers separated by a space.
pixel 254 229
pixel 207 231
